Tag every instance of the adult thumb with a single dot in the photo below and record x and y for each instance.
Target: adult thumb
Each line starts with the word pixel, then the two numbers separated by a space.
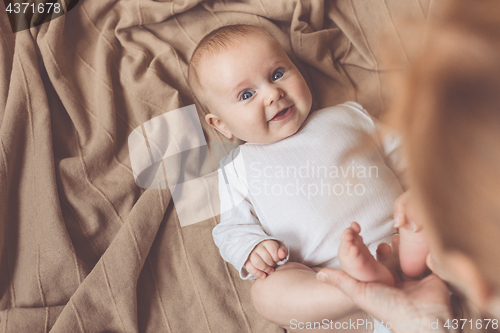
pixel 339 279
pixel 370 297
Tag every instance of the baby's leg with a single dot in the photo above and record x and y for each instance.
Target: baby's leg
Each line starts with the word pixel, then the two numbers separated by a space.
pixel 413 250
pixel 291 297
pixel 357 261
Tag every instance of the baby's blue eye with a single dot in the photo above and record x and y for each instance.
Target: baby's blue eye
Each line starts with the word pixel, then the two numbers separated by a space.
pixel 278 75
pixel 246 95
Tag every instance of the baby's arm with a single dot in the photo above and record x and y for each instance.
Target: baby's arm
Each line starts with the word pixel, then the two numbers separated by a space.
pixel 239 231
pixel 413 247
pixel 264 257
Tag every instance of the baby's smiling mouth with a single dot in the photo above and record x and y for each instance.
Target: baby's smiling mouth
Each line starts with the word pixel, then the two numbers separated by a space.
pixel 282 114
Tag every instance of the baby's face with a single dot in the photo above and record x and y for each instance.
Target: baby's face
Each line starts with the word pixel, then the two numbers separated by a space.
pixel 254 91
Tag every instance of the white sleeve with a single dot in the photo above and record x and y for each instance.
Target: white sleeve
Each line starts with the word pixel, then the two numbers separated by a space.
pixel 239 230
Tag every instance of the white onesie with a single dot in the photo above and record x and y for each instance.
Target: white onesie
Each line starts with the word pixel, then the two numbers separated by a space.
pixel 306 189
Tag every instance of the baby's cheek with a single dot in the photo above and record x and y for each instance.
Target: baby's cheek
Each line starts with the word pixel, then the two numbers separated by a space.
pixel 257 130
pixel 303 92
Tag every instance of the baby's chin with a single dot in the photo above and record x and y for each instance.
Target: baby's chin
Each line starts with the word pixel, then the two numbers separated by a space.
pixel 274 138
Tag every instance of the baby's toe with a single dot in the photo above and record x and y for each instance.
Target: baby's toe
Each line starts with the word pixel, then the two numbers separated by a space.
pixel 353 251
pixel 355 227
pixel 347 235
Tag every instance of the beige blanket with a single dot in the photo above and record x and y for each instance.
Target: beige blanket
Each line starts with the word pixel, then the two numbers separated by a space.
pixel 82 247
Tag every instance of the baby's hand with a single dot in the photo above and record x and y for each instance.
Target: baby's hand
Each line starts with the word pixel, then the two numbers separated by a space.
pixel 264 257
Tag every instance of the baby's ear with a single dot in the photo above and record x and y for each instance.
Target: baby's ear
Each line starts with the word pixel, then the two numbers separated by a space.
pixel 218 124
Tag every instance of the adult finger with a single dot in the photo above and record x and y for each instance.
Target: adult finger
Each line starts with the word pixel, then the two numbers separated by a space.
pixel 374 298
pixel 395 245
pixel 340 279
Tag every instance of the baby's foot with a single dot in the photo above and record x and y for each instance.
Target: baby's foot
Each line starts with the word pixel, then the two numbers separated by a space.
pixel 357 261
pixel 413 250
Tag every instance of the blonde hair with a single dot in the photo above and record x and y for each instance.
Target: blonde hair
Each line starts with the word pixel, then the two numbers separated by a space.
pixel 216 41
pixel 449 114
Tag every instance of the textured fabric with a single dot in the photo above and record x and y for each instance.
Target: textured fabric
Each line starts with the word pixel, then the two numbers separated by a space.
pixel 306 189
pixel 82 248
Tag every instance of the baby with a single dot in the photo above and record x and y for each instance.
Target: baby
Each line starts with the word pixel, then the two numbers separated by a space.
pixel 290 193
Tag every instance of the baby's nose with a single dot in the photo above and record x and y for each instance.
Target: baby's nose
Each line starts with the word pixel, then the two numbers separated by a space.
pixel 274 95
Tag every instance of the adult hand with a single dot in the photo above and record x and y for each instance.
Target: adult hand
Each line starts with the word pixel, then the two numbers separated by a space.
pixel 408 302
